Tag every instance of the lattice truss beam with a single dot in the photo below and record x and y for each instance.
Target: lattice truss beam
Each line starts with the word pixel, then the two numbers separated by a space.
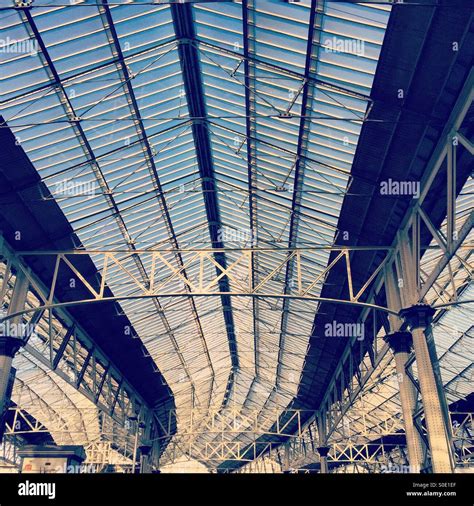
pixel 9 458
pixel 164 280
pixel 106 448
pixel 223 428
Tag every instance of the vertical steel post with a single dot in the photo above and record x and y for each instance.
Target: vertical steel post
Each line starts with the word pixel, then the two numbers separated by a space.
pixel 147 447
pixel 322 449
pixel 135 446
pixel 418 318
pixel 11 334
pixel 323 456
pixel 8 347
pixel 451 189
pixel 400 343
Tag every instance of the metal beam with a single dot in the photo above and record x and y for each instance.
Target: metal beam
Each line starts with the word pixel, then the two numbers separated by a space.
pixel 205 284
pixel 248 34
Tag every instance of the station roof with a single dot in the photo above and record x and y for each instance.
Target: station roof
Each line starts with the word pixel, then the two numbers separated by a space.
pixel 211 125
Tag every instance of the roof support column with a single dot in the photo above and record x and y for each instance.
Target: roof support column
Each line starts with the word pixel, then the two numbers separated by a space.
pixel 322 449
pixel 8 347
pixel 10 344
pixel 323 458
pixel 147 448
pixel 400 343
pixel 418 318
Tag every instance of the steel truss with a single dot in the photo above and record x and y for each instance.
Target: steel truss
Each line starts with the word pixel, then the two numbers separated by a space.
pixel 215 451
pixel 66 423
pixel 375 455
pixel 385 459
pixel 463 438
pixel 112 444
pixel 22 422
pixel 99 453
pixel 227 426
pixel 166 280
pixel 9 458
pixel 233 421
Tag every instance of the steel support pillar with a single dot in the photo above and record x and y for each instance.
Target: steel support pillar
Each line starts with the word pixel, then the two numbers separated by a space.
pixel 323 456
pixel 400 344
pixel 322 449
pixel 418 319
pixel 8 347
pixel 10 344
pixel 147 448
pixel 285 465
pixel 145 465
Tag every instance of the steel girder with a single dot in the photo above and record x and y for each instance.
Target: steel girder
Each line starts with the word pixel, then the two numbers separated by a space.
pixel 302 451
pixel 308 90
pixel 248 31
pixel 162 274
pixel 126 79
